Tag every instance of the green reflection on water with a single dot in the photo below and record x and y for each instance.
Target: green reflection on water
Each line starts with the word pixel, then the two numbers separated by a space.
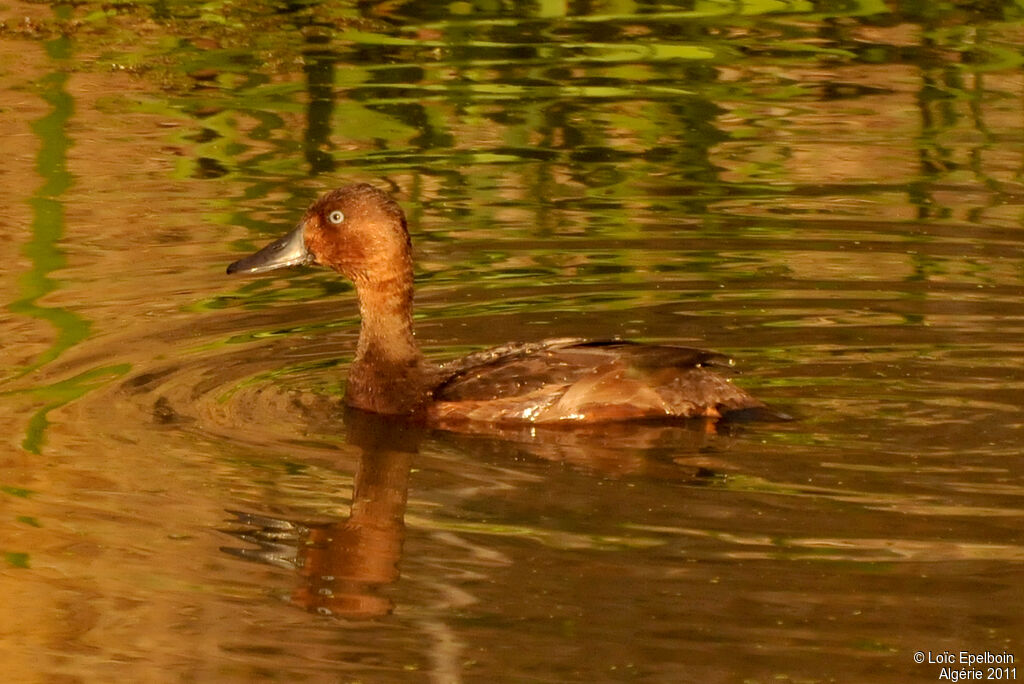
pixel 20 492
pixel 43 248
pixel 46 256
pixel 60 393
pixel 560 539
pixel 16 559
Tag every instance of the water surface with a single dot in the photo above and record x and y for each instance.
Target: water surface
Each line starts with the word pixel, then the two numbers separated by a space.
pixel 829 192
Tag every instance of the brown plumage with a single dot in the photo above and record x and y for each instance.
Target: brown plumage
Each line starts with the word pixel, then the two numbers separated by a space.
pixel 361 232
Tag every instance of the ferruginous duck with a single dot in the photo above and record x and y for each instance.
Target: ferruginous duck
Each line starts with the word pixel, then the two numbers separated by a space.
pixel 360 232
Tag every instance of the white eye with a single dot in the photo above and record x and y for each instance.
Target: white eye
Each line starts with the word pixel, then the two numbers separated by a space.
pixel 336 217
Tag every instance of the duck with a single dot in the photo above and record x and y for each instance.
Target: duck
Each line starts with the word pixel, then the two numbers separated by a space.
pixel 361 232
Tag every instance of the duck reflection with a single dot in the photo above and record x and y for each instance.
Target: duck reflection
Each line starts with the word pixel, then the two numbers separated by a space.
pixel 343 565
pixel 671 451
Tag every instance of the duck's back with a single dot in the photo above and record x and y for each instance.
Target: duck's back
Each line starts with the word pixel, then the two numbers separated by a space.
pixel 572 380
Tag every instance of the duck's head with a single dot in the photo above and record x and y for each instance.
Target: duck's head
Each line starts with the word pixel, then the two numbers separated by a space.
pixel 357 230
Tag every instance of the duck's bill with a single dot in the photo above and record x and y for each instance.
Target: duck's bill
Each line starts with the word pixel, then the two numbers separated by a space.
pixel 288 250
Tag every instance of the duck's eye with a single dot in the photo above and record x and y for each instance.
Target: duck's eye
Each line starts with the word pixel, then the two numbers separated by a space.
pixel 336 217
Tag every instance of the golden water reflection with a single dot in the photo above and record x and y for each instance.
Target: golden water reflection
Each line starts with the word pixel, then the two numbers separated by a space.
pixel 834 200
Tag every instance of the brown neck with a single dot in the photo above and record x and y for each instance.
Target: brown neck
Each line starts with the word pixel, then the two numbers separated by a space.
pixel 388 374
pixel 386 327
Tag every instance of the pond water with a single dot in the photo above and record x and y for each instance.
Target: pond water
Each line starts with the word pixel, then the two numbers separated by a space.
pixel 831 192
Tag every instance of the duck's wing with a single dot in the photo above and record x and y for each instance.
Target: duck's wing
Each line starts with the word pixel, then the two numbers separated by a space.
pixel 451 371
pixel 575 379
pixel 656 356
pixel 528 365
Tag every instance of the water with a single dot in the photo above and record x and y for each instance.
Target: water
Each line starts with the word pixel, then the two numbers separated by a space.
pixel 829 192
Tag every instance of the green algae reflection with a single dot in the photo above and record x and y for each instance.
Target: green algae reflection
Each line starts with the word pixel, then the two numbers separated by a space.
pixel 46 256
pixel 43 249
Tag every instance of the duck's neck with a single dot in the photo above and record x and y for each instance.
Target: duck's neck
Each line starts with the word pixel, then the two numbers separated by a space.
pixel 388 374
pixel 385 332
